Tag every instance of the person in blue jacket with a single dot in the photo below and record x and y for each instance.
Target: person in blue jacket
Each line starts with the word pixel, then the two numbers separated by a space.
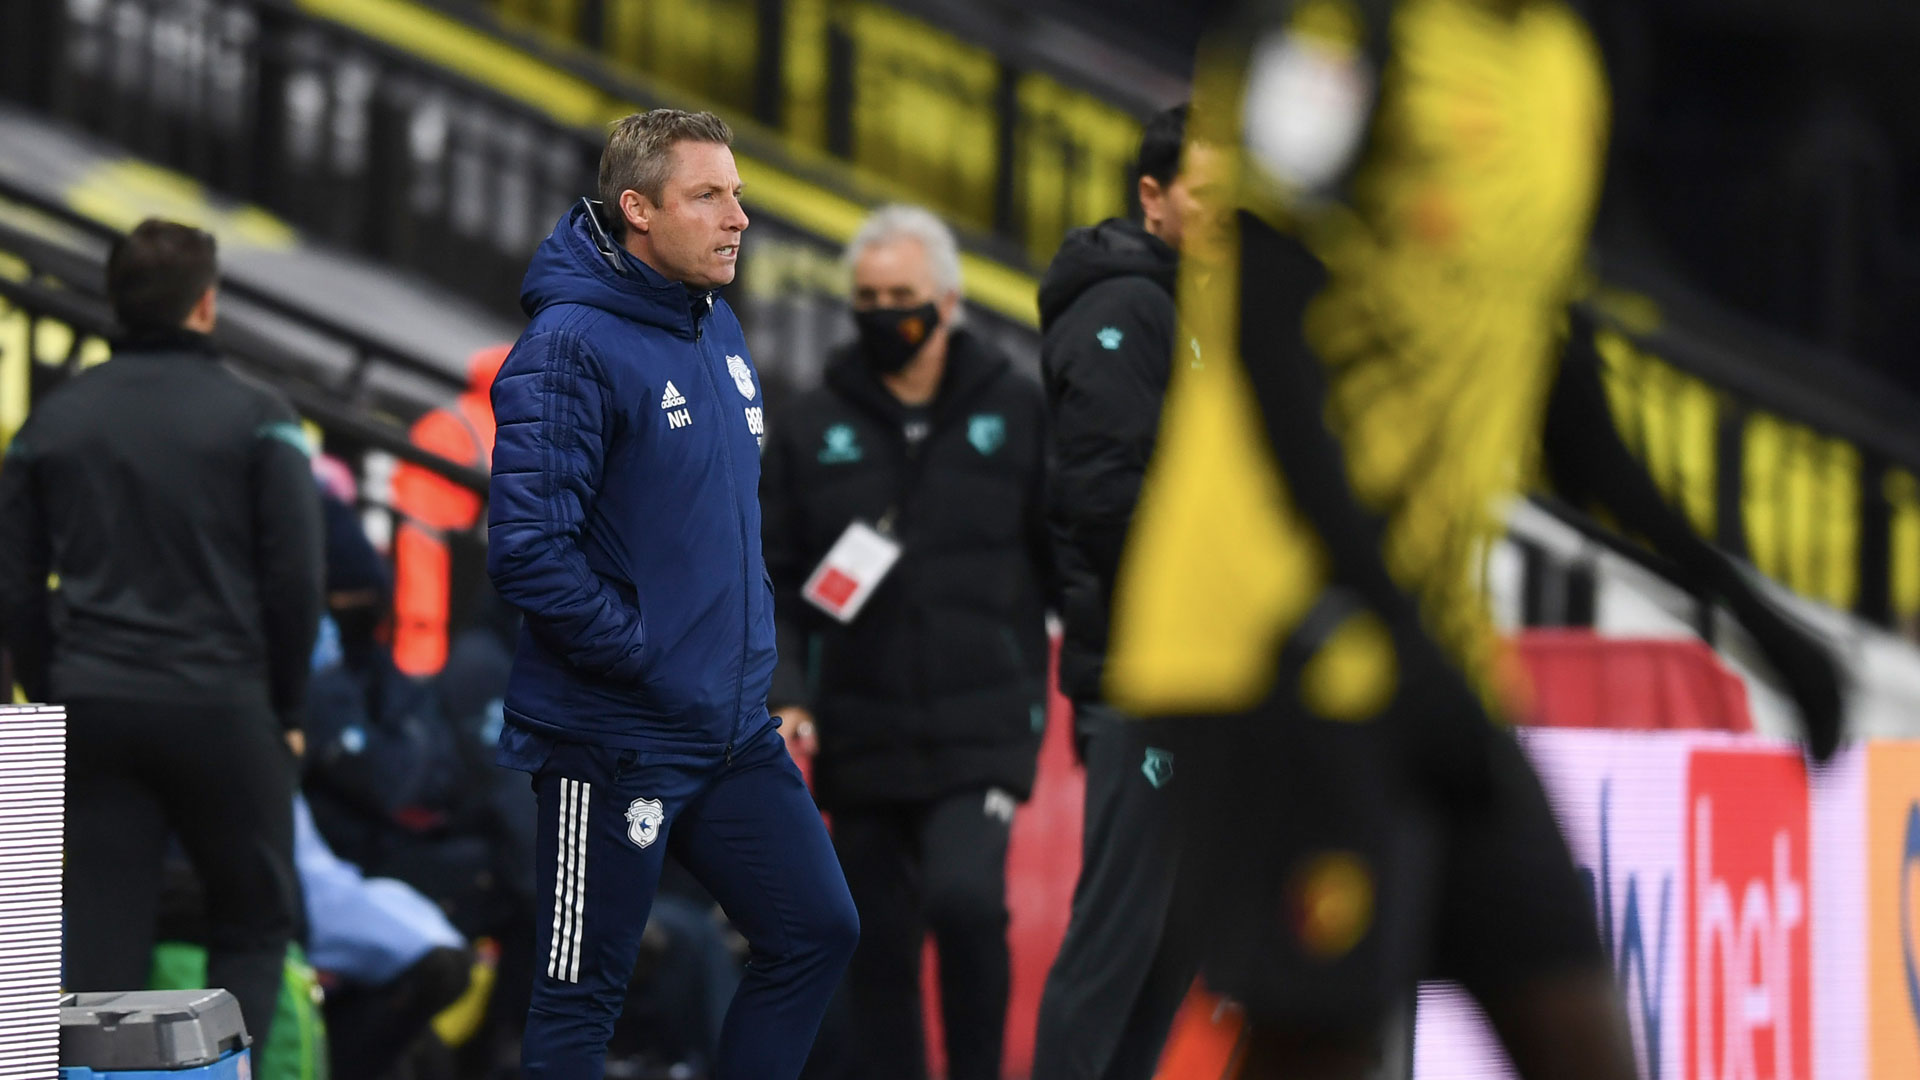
pixel 624 523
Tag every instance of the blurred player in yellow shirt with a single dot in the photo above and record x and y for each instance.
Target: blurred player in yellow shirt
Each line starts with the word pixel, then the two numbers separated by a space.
pixel 1300 604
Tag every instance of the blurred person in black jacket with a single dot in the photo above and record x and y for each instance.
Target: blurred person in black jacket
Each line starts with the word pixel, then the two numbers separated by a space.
pixel 929 703
pixel 401 781
pixel 383 768
pixel 174 506
pixel 1108 344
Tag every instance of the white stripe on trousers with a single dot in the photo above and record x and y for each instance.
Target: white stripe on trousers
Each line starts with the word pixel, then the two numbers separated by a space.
pixel 570 882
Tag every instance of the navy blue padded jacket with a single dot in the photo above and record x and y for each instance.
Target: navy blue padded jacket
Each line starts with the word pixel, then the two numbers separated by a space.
pixel 624 521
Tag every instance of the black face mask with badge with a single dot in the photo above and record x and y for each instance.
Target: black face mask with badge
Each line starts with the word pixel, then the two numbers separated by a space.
pixel 891 337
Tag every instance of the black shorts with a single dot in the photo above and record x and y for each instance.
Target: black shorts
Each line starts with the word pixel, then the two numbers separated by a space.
pixel 1321 884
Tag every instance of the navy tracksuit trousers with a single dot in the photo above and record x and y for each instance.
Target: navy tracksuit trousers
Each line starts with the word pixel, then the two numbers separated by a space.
pixel 748 831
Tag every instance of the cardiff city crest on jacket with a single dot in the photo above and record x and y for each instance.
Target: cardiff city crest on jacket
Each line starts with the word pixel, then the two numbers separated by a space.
pixel 742 375
pixel 643 821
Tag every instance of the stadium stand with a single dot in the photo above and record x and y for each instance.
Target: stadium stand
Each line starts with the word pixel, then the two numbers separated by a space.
pixel 436 142
pixel 442 140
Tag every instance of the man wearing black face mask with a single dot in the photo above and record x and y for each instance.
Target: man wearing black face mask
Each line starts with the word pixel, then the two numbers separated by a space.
pixel 924 680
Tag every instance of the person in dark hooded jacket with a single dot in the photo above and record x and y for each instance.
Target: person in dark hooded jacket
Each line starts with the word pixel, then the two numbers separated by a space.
pixel 624 524
pixel 1107 319
pixel 1109 341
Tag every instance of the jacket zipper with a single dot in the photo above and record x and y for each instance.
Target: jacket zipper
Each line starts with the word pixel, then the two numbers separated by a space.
pixel 740 522
pixel 910 466
pixel 912 461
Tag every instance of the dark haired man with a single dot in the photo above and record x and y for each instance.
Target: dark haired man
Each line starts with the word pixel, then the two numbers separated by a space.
pixel 176 508
pixel 624 523
pixel 1108 324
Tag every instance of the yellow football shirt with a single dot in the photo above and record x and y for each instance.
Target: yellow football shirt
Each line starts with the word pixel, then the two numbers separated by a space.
pixel 1441 159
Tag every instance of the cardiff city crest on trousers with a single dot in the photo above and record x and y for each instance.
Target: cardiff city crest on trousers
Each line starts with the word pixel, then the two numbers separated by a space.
pixel 643 821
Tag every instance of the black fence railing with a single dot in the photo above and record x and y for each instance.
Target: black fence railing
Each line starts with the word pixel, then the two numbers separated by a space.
pixel 378 150
pixel 54 322
pixel 335 360
pixel 972 119
pixel 1802 463
pixel 351 143
pixel 1795 460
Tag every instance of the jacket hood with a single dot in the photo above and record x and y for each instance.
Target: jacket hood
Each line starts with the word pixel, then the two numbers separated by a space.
pixel 1114 248
pixel 972 362
pixel 568 269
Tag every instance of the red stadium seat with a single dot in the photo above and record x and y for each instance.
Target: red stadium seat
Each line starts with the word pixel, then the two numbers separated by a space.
pixel 1580 679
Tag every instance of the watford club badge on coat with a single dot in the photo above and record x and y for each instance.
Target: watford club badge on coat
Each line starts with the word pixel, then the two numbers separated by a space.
pixel 987 432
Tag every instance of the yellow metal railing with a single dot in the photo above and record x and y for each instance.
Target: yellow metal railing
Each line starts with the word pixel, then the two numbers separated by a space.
pixel 773 184
pixel 1798 501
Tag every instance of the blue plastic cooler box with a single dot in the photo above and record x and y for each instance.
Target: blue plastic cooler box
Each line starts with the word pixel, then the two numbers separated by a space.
pixel 153 1035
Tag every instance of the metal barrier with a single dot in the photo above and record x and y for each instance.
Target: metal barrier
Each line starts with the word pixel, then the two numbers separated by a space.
pixel 376 149
pixel 1779 454
pixel 1799 462
pixel 352 380
pixel 353 145
pixel 982 129
pixel 54 322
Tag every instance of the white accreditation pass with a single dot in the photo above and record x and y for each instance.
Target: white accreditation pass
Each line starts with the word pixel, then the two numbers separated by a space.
pixel 855 566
